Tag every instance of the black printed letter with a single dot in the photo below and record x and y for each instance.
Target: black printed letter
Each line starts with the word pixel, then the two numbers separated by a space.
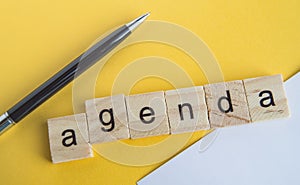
pixel 180 106
pixel 228 99
pixel 142 115
pixel 72 136
pixel 111 121
pixel 269 97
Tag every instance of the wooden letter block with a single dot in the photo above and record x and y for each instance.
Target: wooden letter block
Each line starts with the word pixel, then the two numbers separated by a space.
pixel 107 119
pixel 266 98
pixel 68 137
pixel 147 115
pixel 187 110
pixel 227 104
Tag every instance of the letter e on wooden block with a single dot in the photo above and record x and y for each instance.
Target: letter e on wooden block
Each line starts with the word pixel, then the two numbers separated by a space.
pixel 227 104
pixel 107 119
pixel 266 98
pixel 68 137
pixel 147 115
pixel 187 110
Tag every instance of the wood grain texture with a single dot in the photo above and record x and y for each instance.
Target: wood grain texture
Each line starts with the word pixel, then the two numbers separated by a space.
pixel 155 122
pixel 187 110
pixel 114 124
pixel 60 130
pixel 216 95
pixel 259 100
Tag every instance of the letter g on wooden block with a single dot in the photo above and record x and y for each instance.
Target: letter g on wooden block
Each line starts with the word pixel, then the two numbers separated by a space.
pixel 147 115
pixel 68 137
pixel 107 119
pixel 227 104
pixel 266 98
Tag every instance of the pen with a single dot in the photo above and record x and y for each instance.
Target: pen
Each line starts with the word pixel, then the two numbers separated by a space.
pixel 67 74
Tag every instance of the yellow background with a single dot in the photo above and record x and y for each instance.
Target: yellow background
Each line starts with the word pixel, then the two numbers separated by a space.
pixel 38 37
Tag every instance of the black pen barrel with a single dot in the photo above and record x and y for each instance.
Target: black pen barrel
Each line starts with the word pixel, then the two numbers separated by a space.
pixel 67 74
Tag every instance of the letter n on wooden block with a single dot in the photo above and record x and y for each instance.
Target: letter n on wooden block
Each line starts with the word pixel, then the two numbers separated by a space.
pixel 266 98
pixel 107 119
pixel 147 115
pixel 227 104
pixel 187 110
pixel 68 137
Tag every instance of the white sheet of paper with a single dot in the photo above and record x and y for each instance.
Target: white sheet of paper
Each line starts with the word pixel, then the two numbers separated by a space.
pixel 263 153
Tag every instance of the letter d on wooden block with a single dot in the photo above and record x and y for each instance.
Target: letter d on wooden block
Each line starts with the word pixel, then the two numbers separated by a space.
pixel 147 115
pixel 107 119
pixel 227 104
pixel 68 137
pixel 266 98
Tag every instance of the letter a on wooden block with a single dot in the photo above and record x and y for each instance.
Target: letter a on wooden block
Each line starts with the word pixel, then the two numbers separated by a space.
pixel 107 119
pixel 187 110
pixel 68 137
pixel 147 115
pixel 266 98
pixel 227 104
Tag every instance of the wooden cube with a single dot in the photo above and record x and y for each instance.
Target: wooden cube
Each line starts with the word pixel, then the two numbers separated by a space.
pixel 187 110
pixel 147 115
pixel 227 104
pixel 107 119
pixel 68 137
pixel 266 98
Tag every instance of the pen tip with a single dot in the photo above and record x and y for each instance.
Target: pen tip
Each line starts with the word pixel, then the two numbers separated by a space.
pixel 147 14
pixel 136 22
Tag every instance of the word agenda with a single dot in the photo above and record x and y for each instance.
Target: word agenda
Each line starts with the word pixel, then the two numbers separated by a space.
pixel 171 112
